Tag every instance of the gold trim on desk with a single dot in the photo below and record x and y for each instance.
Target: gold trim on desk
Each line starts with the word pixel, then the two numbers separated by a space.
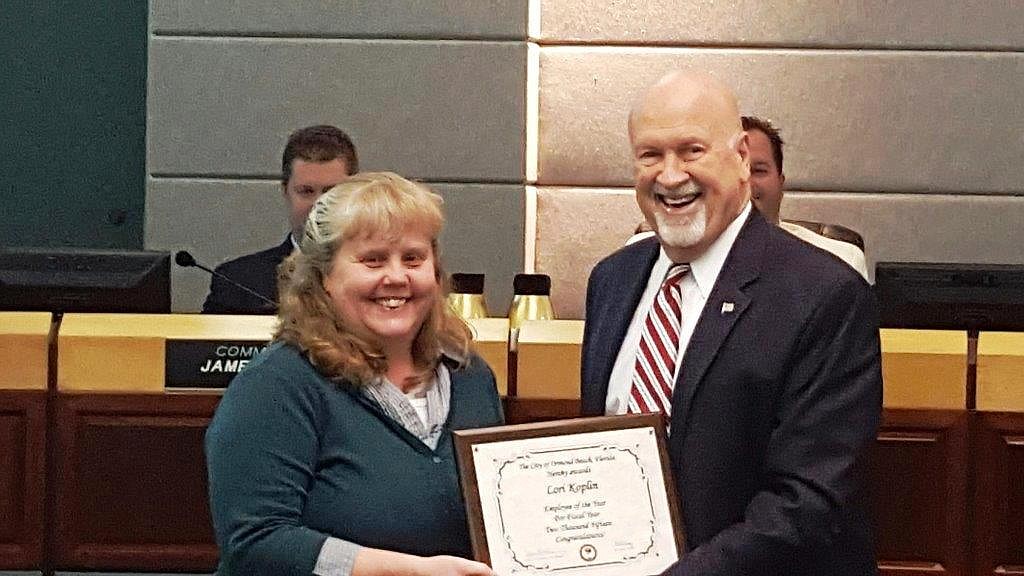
pixel 126 352
pixel 24 339
pixel 490 338
pixel 169 326
pixel 924 368
pixel 549 356
pixel 1001 371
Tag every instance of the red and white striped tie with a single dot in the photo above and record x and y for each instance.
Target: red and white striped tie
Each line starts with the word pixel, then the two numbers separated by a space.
pixel 654 373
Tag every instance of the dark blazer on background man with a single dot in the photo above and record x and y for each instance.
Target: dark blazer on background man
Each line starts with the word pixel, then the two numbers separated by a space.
pixel 256 271
pixel 776 405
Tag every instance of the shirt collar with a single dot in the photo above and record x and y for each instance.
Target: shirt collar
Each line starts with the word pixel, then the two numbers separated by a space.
pixel 705 268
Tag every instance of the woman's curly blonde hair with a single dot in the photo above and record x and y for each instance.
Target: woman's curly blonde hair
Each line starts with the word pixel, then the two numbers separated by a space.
pixel 365 205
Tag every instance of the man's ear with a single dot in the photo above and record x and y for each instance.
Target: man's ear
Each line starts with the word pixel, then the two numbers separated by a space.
pixel 743 149
pixel 782 178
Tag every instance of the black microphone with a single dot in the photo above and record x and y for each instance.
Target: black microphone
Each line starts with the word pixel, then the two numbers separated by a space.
pixel 185 259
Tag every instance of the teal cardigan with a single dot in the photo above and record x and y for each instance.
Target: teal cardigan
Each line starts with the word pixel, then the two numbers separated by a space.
pixel 294 458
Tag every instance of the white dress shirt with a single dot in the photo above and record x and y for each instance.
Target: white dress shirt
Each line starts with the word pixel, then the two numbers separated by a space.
pixel 696 287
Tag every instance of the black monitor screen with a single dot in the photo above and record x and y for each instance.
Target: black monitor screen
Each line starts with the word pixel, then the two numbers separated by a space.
pixel 950 296
pixel 84 280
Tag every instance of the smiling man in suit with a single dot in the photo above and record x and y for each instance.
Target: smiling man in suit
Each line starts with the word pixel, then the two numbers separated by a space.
pixel 762 352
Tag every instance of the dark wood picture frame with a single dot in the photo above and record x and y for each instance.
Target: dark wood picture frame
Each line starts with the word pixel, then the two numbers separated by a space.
pixel 465 440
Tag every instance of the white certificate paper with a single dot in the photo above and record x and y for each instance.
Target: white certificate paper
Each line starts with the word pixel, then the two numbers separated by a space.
pixel 592 504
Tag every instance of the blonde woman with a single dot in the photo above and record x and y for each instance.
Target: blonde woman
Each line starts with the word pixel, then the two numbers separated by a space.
pixel 331 454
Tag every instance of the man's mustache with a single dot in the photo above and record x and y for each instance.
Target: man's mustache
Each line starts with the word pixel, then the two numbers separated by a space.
pixel 688 188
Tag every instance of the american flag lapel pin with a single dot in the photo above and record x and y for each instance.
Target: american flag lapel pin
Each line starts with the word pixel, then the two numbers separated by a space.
pixel 727 307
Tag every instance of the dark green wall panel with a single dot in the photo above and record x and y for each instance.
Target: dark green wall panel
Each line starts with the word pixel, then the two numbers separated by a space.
pixel 73 120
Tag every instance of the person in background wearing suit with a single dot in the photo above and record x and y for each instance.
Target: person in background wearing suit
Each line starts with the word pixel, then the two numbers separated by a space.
pixel 776 396
pixel 315 159
pixel 766 182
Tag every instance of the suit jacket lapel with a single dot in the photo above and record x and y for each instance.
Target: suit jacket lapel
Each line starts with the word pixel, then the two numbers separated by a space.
pixel 723 309
pixel 619 313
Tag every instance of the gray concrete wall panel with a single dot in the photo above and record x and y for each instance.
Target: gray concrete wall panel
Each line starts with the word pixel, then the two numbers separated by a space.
pixel 217 220
pixel 895 227
pixel 989 24
pixel 484 233
pixel 443 111
pixel 493 19
pixel 576 227
pixel 919 227
pixel 854 120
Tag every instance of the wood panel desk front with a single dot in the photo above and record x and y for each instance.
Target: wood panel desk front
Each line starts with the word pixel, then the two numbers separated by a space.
pixel 919 467
pixel 999 463
pixel 24 342
pixel 919 470
pixel 131 491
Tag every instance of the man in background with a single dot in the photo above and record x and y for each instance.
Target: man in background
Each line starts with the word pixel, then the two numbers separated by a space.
pixel 766 182
pixel 315 159
pixel 761 351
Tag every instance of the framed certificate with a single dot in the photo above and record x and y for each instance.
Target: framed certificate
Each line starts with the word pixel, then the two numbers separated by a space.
pixel 589 496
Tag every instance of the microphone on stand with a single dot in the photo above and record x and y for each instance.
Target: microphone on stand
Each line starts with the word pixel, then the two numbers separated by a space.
pixel 185 259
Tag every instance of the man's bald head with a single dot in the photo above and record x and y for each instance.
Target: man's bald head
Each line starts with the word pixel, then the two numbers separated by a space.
pixel 691 94
pixel 690 161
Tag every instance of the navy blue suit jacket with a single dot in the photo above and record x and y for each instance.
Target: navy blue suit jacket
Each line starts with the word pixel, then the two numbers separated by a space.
pixel 254 271
pixel 775 408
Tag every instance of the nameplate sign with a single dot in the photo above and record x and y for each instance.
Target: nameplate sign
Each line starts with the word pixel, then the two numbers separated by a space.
pixel 206 364
pixel 590 496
